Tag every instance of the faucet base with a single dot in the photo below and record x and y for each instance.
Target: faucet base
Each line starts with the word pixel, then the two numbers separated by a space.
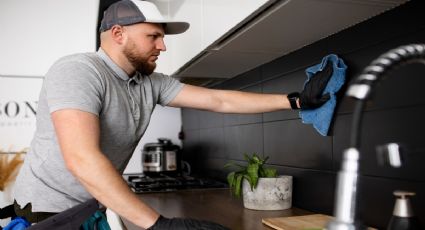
pixel 339 225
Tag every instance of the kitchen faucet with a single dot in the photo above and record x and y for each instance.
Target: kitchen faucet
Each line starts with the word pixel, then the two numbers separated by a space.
pixel 345 193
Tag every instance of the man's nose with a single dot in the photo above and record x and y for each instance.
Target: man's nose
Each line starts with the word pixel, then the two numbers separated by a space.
pixel 160 44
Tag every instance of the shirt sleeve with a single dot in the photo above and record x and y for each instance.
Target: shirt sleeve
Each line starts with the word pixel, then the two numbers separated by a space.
pixel 168 87
pixel 73 84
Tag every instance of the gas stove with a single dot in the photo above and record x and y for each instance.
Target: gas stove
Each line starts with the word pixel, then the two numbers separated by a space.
pixel 141 183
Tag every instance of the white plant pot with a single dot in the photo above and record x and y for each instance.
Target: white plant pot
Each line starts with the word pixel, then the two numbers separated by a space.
pixel 270 194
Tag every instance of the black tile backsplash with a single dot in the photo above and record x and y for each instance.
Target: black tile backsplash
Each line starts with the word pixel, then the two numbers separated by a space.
pixel 312 189
pixel 291 143
pixel 402 125
pixel 210 119
pixel 242 139
pixel 396 114
pixel 212 141
pixel 240 119
pixel 190 119
pixel 242 81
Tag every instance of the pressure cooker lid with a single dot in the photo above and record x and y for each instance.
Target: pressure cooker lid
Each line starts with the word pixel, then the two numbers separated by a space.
pixel 162 143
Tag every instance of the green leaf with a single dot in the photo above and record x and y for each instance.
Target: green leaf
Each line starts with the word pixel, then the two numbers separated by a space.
pixel 252 171
pixel 256 159
pixel 261 171
pixel 232 164
pixel 247 158
pixel 238 185
pixel 231 179
pixel 269 172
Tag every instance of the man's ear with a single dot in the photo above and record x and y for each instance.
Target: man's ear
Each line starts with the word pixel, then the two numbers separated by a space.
pixel 117 33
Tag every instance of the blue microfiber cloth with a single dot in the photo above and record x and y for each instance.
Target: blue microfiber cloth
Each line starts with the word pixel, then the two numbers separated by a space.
pixel 18 223
pixel 321 117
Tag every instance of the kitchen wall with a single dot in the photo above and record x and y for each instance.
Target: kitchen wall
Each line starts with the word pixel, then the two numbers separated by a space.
pixel 34 35
pixel 37 33
pixel 395 115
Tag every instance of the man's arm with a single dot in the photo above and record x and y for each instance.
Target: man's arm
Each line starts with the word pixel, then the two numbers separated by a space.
pixel 228 101
pixel 78 136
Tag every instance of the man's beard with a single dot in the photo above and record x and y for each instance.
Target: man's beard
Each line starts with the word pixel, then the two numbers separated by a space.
pixel 139 62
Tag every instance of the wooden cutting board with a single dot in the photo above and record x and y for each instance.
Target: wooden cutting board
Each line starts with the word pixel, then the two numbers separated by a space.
pixel 315 221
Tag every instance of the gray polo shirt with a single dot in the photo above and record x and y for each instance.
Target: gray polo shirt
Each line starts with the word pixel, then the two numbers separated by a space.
pixel 90 82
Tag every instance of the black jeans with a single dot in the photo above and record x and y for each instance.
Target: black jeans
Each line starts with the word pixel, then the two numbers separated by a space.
pixel 33 217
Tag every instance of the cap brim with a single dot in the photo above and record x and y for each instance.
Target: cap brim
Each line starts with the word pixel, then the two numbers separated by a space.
pixel 172 27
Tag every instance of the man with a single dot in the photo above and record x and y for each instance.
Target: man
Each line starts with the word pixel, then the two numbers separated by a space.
pixel 94 108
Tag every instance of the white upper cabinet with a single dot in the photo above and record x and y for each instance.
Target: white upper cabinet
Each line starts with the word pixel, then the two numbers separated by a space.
pixel 230 37
pixel 209 20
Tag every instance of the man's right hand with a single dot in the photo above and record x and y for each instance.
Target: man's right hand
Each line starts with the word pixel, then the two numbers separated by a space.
pixel 164 223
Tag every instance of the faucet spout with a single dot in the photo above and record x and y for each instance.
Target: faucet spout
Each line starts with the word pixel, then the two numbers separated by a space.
pixel 362 86
pixel 345 193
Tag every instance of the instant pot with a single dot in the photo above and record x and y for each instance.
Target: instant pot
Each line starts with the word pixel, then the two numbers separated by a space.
pixel 161 157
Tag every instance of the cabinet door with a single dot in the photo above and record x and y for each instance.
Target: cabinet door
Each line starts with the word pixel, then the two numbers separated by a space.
pixel 209 20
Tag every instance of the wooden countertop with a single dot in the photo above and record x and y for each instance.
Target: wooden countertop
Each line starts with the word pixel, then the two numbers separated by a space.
pixel 215 205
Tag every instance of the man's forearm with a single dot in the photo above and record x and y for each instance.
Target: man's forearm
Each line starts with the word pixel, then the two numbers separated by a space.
pixel 78 134
pixel 246 102
pixel 101 179
pixel 229 101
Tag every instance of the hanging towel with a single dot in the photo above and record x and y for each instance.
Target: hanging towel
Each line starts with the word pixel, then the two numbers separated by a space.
pixel 321 117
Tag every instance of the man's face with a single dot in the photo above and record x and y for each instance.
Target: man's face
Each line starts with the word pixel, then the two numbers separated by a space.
pixel 143 46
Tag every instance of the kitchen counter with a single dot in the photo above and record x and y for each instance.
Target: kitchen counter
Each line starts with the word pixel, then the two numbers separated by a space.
pixel 215 205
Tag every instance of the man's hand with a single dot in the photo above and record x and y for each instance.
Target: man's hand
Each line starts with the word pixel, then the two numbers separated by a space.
pixel 311 97
pixel 164 223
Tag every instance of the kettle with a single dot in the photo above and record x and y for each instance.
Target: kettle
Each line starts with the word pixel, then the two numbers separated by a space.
pixel 161 157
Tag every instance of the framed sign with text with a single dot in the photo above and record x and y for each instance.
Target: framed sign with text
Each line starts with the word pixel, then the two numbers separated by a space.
pixel 18 108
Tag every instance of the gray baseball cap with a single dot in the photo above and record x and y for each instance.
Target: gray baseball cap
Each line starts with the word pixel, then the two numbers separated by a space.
pixel 128 12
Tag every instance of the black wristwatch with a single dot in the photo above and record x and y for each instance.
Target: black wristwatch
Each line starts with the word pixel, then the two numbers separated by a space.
pixel 292 97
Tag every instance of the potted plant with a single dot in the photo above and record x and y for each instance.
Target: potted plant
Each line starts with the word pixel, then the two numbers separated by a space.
pixel 261 187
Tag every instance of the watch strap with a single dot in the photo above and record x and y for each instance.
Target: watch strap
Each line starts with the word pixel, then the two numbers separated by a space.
pixel 292 98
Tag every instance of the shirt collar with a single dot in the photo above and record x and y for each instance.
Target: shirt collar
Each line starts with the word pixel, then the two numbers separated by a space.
pixel 120 73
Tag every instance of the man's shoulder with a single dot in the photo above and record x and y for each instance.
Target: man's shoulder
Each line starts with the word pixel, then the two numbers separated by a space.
pixel 79 58
pixel 79 62
pixel 80 66
pixel 157 74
